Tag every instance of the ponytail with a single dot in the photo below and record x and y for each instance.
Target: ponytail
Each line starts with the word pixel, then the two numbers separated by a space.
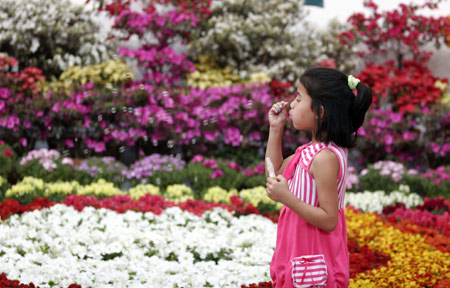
pixel 360 105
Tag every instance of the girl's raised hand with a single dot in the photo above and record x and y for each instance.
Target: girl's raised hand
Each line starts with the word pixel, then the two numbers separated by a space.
pixel 278 114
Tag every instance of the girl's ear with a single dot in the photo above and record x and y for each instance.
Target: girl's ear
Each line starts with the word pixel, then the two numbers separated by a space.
pixel 322 112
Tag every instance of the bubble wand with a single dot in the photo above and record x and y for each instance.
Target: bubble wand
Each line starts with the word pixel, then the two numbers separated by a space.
pixel 270 169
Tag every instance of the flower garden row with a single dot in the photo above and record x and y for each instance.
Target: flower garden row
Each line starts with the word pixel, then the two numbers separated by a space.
pixel 182 242
pixel 199 174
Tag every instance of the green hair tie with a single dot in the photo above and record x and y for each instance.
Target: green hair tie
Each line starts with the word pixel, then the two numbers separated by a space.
pixel 352 82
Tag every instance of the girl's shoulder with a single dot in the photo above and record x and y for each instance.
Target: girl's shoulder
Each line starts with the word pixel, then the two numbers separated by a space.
pixel 310 151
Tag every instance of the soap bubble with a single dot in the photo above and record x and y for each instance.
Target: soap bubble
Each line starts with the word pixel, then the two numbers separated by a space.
pixel 113 110
pixel 121 149
pixel 170 144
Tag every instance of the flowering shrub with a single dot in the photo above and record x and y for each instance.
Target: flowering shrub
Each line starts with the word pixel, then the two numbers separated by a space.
pixel 207 74
pixel 51 35
pixel 96 120
pixel 419 139
pixel 158 24
pixel 389 176
pixel 105 74
pixel 403 83
pixel 403 31
pixel 48 165
pixel 272 37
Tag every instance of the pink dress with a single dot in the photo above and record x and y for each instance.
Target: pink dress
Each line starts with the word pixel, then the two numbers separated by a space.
pixel 296 237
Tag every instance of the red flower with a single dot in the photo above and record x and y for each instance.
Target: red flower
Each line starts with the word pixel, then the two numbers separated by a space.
pixel 8 153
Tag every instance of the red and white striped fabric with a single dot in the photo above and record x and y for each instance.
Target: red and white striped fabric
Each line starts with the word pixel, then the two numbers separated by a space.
pixel 309 271
pixel 303 185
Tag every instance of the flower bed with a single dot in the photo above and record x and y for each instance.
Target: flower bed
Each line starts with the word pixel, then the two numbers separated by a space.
pixel 181 243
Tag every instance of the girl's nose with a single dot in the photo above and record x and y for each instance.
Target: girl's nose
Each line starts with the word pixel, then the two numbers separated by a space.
pixel 291 103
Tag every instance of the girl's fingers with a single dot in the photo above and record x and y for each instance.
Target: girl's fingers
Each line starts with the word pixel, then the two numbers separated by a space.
pixel 277 107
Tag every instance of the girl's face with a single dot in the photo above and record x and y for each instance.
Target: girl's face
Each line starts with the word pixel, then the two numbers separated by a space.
pixel 303 118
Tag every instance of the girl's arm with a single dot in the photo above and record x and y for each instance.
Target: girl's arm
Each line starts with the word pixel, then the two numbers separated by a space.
pixel 325 169
pixel 277 120
pixel 273 150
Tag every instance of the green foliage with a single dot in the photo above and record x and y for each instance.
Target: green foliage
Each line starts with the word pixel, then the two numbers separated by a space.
pixel 254 181
pixel 200 178
pixel 4 185
pixel 61 173
pixel 163 179
pixel 373 181
pixel 7 159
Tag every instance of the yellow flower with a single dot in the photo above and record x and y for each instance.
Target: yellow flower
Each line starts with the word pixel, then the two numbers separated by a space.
pixel 65 188
pixel 258 195
pixel 100 188
pixel 218 195
pixel 28 185
pixel 411 257
pixel 260 77
pixel 179 193
pixel 143 189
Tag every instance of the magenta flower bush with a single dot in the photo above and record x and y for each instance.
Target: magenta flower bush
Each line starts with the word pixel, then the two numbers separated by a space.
pixel 419 139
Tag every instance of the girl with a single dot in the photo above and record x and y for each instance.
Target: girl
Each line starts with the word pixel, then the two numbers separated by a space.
pixel 312 234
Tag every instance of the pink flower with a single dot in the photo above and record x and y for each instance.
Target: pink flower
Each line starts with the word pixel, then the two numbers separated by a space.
pixel 211 136
pixel 235 166
pixel 23 141
pixel 99 147
pixel 216 174
pixel 210 163
pixel 69 143
pixel 197 158
pixel 67 161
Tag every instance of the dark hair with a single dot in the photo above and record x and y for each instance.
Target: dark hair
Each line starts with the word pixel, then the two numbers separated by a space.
pixel 343 111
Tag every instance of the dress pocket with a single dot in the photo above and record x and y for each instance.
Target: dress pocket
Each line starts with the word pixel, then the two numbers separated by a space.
pixel 309 271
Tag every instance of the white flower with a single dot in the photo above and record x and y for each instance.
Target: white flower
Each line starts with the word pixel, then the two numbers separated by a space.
pixel 137 249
